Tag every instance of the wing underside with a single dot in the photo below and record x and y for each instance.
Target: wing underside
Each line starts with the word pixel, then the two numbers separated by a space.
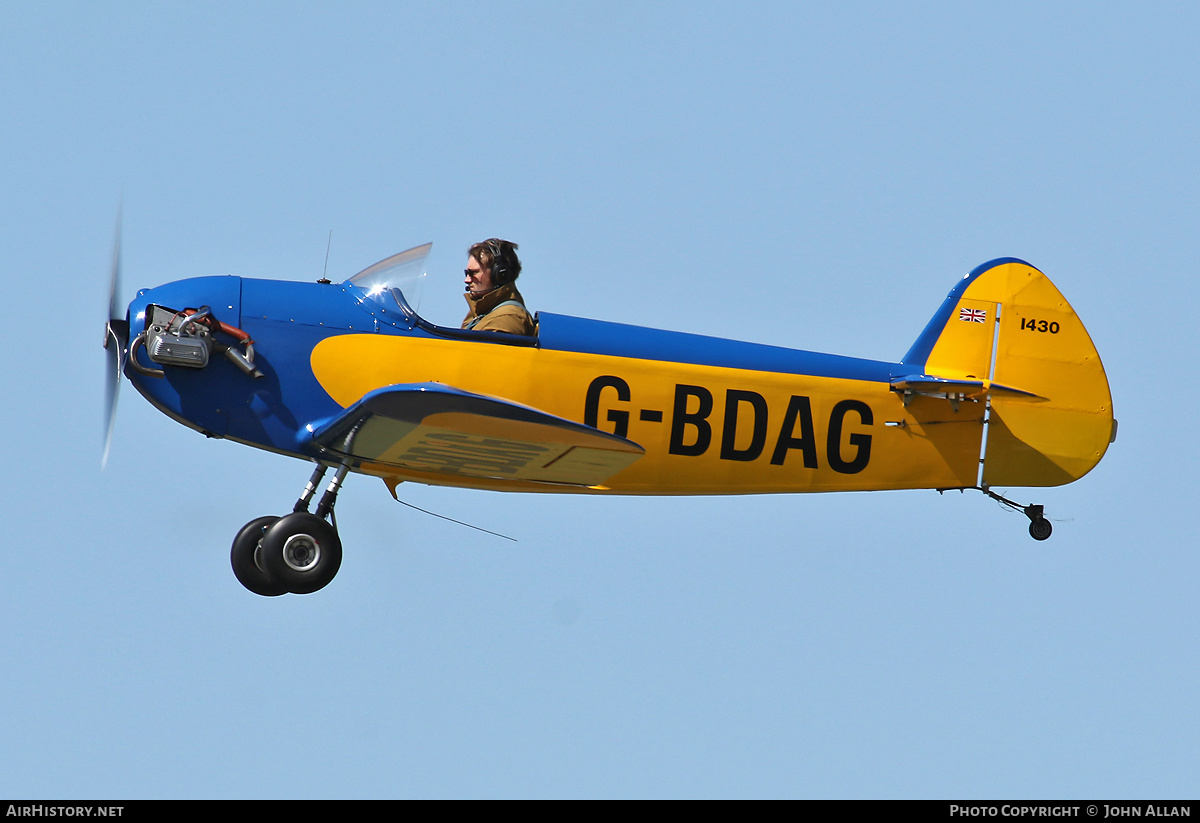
pixel 435 428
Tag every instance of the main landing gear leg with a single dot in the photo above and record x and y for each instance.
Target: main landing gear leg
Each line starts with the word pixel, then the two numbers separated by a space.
pixel 1039 526
pixel 299 552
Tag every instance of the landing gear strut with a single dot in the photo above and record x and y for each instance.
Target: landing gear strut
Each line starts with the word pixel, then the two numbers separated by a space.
pixel 298 553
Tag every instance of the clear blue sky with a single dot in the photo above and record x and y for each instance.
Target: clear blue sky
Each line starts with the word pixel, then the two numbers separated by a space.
pixel 807 175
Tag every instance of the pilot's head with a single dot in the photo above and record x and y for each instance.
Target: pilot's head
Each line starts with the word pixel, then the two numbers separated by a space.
pixel 491 264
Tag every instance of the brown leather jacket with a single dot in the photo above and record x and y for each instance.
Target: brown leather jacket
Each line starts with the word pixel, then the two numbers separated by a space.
pixel 486 313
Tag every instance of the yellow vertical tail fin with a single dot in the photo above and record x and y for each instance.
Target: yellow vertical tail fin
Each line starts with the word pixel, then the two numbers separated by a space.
pixel 1050 414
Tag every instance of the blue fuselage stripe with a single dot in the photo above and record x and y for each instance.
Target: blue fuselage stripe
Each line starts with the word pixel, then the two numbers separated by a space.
pixel 919 353
pixel 562 333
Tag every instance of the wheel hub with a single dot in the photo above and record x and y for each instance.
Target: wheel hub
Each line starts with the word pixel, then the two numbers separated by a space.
pixel 301 552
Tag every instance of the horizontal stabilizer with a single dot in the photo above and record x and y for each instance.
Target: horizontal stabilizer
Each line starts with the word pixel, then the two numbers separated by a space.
pixel 432 427
pixel 930 386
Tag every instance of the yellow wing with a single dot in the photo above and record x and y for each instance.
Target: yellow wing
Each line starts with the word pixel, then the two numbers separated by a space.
pixel 438 429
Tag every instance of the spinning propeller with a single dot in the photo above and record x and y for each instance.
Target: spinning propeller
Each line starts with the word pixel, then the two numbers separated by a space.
pixel 116 343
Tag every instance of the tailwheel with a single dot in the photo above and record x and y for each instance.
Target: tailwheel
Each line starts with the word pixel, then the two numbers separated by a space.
pixel 301 552
pixel 1040 528
pixel 246 558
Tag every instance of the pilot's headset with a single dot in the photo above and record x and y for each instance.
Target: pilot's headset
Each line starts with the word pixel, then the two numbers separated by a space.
pixel 505 266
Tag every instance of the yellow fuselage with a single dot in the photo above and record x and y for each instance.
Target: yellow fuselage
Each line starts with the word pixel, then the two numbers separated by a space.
pixel 705 429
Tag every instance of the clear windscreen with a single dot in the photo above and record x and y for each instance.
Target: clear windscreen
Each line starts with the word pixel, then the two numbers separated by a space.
pixel 404 271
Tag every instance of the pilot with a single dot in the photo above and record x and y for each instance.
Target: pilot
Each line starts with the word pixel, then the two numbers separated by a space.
pixel 493 302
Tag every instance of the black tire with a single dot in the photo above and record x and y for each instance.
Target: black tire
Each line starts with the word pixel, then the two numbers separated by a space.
pixel 241 557
pixel 301 552
pixel 1040 528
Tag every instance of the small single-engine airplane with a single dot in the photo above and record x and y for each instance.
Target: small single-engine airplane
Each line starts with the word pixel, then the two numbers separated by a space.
pixel 1002 388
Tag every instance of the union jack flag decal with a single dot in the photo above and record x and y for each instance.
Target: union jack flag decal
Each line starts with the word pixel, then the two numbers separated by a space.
pixel 972 315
